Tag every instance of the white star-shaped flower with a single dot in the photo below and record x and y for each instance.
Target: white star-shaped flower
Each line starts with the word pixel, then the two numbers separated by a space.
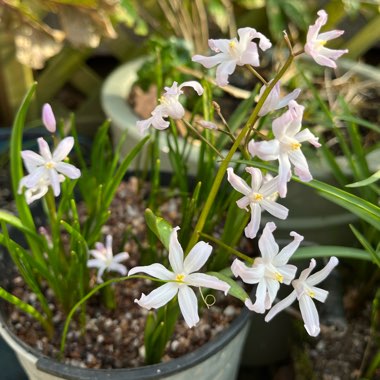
pixel 169 106
pixel 260 196
pixel 105 260
pixel 305 291
pixel 234 52
pixel 46 169
pixel 269 270
pixel 180 280
pixel 286 146
pixel 315 43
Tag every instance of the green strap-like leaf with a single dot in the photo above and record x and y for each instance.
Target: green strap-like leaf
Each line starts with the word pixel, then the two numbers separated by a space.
pixel 236 290
pixel 159 226
pixel 328 251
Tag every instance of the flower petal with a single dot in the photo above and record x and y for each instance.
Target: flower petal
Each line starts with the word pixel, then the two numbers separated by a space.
pixel 31 159
pixel 154 270
pixel 116 267
pixel 225 69
pixel 254 224
pixel 249 275
pixel 257 178
pixel 275 209
pixel 195 85
pixel 188 304
pixel 283 304
pixel 197 257
pixel 287 252
pixel 319 276
pixel 238 183
pixel 265 150
pixel 54 181
pixel 207 281
pixel 301 168
pixel 44 149
pixel 175 252
pixel 309 315
pixel 122 256
pixel 63 149
pixel 68 170
pixel 284 174
pixel 261 292
pixel 267 244
pixel 158 297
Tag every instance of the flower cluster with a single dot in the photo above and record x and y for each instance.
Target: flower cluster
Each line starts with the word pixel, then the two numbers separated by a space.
pixel 272 268
pixel 65 263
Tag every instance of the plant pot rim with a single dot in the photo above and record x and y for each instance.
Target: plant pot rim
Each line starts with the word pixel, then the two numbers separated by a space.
pixel 155 371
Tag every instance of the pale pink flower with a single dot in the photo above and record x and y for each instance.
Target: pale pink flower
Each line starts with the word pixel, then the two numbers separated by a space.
pixel 274 101
pixel 180 280
pixel 259 196
pixel 269 270
pixel 46 169
pixel 169 106
pixel 286 147
pixel 305 291
pixel 48 118
pixel 234 52
pixel 105 260
pixel 315 43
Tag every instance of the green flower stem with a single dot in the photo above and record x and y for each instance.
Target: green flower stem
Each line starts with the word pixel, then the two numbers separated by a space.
pixel 235 252
pixel 224 164
pixel 203 138
pixel 256 74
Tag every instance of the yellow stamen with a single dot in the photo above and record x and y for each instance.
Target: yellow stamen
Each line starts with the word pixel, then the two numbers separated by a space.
pixel 232 44
pixel 256 197
pixel 49 165
pixel 311 293
pixel 321 42
pixel 179 277
pixel 279 277
pixel 295 145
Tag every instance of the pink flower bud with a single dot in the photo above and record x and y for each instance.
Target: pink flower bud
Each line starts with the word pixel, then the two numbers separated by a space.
pixel 48 118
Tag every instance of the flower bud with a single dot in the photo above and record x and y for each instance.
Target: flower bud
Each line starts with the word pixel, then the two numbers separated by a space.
pixel 48 118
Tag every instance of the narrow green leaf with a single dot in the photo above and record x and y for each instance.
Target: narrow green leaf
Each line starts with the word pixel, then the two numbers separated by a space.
pixel 328 251
pixel 367 246
pixel 29 309
pixel 16 222
pixel 236 290
pixel 159 226
pixel 365 182
pixel 111 187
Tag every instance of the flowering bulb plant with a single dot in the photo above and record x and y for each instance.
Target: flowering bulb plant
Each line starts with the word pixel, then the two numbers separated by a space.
pixel 233 186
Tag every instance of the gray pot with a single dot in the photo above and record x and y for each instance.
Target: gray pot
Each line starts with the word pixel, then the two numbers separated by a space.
pixel 217 359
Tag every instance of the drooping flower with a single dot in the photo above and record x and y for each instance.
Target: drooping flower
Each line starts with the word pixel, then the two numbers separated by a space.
pixel 286 147
pixel 315 43
pixel 269 270
pixel 48 118
pixel 305 290
pixel 234 52
pixel 38 191
pixel 259 197
pixel 169 106
pixel 180 280
pixel 105 260
pixel 273 101
pixel 46 169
